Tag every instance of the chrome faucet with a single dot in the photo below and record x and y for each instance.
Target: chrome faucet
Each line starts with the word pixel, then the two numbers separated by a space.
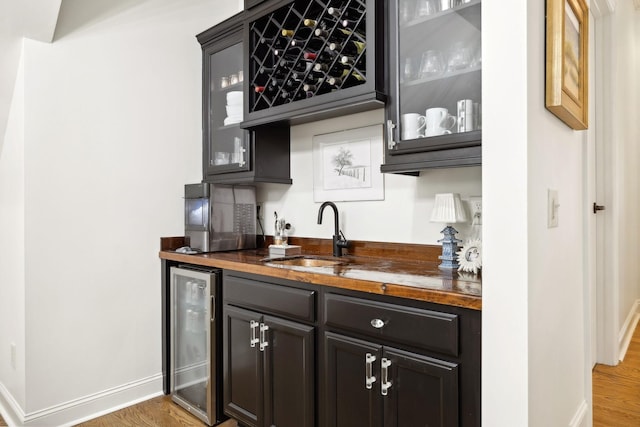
pixel 339 241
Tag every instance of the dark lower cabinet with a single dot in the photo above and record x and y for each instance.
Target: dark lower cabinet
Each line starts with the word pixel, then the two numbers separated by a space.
pixel 242 366
pixel 348 401
pixel 345 359
pixel 422 391
pixel 269 363
pixel 370 385
pixel 389 362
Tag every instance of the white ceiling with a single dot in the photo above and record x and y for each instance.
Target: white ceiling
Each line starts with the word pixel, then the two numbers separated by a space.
pixel 34 19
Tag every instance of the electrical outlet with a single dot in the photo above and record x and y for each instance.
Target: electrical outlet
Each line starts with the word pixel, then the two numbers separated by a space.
pixel 476 204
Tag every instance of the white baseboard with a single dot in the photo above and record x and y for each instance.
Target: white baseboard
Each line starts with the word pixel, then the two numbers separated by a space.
pixel 82 409
pixel 580 418
pixel 9 409
pixel 626 332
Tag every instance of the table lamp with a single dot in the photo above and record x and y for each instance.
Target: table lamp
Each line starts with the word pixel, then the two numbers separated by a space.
pixel 448 209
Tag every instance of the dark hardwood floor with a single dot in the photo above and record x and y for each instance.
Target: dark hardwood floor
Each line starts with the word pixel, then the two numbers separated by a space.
pixel 2 422
pixel 157 412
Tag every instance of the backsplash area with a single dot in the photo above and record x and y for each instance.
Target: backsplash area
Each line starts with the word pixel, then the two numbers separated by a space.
pixel 403 215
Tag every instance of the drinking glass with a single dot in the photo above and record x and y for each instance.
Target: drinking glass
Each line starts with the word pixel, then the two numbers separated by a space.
pixel 432 64
pixel 459 57
pixel 426 7
pixel 409 69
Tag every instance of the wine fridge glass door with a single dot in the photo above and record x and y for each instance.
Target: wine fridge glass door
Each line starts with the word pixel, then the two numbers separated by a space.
pixel 191 321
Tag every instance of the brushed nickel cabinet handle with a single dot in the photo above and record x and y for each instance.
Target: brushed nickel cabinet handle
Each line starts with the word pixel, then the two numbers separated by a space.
pixel 263 336
pixel 254 333
pixel 369 377
pixel 386 384
pixel 391 143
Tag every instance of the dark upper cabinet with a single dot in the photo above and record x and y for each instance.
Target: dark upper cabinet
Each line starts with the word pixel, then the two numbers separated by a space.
pixel 231 154
pixel 313 59
pixel 248 4
pixel 433 114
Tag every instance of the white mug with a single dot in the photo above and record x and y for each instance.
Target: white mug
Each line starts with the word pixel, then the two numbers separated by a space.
pixel 438 121
pixel 412 126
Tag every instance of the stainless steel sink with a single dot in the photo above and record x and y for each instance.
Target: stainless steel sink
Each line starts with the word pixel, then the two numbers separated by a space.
pixel 305 261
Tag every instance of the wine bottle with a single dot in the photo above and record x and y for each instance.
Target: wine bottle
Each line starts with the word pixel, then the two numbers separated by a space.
pixel 321 57
pixel 301 33
pixel 301 66
pixel 310 23
pixel 312 43
pixel 292 96
pixel 347 60
pixel 281 83
pixel 347 13
pixel 291 55
pixel 266 70
pixel 338 35
pixel 274 42
pixel 352 47
pixel 352 28
pixel 264 89
pixel 349 79
pixel 309 87
pixel 339 71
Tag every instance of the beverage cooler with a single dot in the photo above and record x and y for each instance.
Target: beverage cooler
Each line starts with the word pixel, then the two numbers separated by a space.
pixel 196 326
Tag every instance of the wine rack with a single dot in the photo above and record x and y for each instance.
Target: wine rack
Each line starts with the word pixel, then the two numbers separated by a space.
pixel 306 49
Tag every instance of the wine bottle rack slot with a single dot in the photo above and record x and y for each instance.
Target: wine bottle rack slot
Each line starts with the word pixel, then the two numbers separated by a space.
pixel 305 49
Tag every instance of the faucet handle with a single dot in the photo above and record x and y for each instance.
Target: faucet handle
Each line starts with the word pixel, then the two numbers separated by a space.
pixel 342 242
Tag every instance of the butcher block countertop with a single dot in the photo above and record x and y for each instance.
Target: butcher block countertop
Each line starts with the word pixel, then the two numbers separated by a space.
pixel 393 269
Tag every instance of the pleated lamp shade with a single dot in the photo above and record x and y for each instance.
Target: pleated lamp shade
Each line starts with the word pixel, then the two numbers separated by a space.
pixel 448 208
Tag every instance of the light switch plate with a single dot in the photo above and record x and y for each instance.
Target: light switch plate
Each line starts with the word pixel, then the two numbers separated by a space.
pixel 553 206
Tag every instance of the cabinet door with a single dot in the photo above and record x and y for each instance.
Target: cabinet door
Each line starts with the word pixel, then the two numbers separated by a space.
pixel 242 365
pixel 289 374
pixel 348 401
pixel 421 391
pixel 435 71
pixel 225 143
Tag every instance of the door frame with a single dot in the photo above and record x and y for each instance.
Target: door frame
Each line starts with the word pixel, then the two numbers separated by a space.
pixel 601 316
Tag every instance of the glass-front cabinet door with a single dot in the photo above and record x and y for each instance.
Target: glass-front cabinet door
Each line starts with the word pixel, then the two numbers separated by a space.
pixel 434 117
pixel 231 152
pixel 225 142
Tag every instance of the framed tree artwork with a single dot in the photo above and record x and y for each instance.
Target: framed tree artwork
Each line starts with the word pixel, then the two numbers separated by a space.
pixel 346 165
pixel 567 60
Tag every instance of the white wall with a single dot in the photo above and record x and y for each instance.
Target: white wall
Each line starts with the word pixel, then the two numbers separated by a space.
pixel 505 310
pixel 112 131
pixel 403 216
pixel 626 25
pixel 12 249
pixel 556 279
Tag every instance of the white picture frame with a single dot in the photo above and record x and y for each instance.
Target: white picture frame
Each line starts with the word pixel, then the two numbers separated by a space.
pixel 346 165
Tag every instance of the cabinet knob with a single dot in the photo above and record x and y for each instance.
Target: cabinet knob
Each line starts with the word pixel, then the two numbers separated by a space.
pixel 377 323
